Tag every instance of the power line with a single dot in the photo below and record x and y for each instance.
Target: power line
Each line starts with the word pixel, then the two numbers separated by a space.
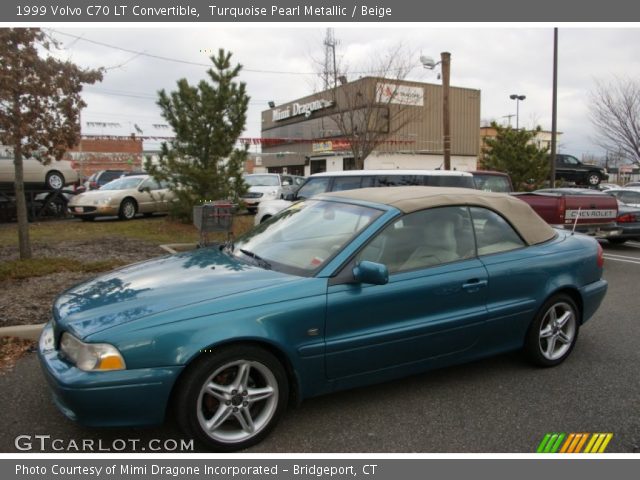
pixel 197 64
pixel 170 59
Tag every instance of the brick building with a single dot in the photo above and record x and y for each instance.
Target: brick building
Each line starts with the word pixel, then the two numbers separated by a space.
pixel 95 153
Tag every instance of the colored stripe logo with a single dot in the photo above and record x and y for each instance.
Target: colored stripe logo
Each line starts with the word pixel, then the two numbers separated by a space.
pixel 574 443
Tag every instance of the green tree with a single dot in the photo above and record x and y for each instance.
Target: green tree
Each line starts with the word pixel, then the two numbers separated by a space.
pixel 514 152
pixel 201 163
pixel 40 106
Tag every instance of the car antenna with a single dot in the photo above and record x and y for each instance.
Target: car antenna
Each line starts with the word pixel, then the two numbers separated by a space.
pixel 575 224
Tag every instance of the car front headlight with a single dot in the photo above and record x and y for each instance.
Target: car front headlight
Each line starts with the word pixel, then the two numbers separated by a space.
pixel 91 356
pixel 103 201
pixel 46 342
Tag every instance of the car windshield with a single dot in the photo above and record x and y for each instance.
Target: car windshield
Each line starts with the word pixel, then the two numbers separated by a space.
pixel 262 180
pixel 303 238
pixel 124 183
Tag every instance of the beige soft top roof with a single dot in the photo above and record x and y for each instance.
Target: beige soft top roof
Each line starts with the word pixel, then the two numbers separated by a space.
pixel 410 199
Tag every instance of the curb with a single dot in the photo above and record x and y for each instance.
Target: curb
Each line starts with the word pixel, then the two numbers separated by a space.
pixel 28 332
pixel 178 247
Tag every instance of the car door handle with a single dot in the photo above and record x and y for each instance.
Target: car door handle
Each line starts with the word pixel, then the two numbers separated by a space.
pixel 474 284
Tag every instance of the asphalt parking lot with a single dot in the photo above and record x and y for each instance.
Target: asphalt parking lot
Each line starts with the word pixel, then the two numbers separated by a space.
pixel 496 405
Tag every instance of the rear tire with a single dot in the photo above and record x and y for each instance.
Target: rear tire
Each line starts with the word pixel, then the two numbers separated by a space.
pixel 54 180
pixel 554 331
pixel 594 179
pixel 232 397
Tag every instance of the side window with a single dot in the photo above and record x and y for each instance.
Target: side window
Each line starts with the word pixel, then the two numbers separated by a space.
pixel 313 187
pixel 493 233
pixel 423 239
pixel 150 183
pixel 346 183
pixel 398 180
pixel 286 180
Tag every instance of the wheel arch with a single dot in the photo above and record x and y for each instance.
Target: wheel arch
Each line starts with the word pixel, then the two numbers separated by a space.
pixel 281 356
pixel 129 197
pixel 571 292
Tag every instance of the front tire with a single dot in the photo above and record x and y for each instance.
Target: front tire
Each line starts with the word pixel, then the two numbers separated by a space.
pixel 128 209
pixel 232 397
pixel 554 332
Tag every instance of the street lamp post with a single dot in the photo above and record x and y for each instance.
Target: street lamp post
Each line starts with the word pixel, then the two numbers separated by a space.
pixel 517 98
pixel 445 61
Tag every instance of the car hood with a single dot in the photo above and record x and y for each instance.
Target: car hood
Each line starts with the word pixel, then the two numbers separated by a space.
pixel 95 195
pixel 158 285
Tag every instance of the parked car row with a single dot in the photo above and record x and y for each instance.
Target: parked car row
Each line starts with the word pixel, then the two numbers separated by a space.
pixel 354 179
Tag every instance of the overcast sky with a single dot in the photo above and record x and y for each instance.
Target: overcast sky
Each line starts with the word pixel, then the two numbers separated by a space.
pixel 497 61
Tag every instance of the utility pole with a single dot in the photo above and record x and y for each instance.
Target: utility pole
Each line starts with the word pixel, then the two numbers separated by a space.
pixel 554 109
pixel 446 122
pixel 509 117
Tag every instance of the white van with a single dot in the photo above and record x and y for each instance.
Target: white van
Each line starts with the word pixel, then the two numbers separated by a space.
pixel 354 179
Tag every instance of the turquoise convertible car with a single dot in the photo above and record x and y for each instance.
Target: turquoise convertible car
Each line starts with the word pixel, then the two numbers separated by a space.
pixel 341 290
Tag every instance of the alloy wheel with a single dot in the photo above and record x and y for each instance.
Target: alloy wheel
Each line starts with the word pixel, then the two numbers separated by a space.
pixel 237 401
pixel 557 331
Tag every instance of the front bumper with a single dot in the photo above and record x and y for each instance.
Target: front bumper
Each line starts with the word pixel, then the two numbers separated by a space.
pixel 109 399
pixel 592 296
pixel 93 210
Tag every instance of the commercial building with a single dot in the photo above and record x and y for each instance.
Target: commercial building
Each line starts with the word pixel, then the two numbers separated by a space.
pixel 400 122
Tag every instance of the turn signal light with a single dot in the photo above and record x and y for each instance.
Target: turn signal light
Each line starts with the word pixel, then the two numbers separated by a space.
pixel 600 256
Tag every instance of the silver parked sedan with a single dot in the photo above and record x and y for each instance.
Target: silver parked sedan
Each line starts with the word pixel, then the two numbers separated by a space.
pixel 124 197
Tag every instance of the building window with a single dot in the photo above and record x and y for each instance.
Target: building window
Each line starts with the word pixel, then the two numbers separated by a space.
pixel 318 166
pixel 348 163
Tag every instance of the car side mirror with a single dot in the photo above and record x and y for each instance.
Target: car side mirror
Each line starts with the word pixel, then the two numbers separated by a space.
pixel 371 272
pixel 290 197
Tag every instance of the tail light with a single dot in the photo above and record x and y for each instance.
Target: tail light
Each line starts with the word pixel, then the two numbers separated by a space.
pixel 600 256
pixel 562 210
pixel 73 164
pixel 627 218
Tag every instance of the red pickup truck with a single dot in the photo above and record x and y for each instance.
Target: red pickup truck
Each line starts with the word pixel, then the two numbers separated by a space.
pixel 596 212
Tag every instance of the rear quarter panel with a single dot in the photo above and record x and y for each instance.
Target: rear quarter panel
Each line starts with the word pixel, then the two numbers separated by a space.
pixel 522 280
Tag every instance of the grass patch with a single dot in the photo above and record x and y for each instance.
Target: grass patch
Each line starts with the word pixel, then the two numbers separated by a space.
pixel 157 230
pixel 39 267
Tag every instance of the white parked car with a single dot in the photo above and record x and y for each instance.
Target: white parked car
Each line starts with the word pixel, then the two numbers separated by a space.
pixel 354 179
pixel 53 176
pixel 267 186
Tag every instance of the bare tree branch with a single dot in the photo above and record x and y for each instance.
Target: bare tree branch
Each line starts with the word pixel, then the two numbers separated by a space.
pixel 373 109
pixel 615 113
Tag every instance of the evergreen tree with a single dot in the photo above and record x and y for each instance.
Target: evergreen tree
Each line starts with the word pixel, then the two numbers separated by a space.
pixel 201 163
pixel 513 151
